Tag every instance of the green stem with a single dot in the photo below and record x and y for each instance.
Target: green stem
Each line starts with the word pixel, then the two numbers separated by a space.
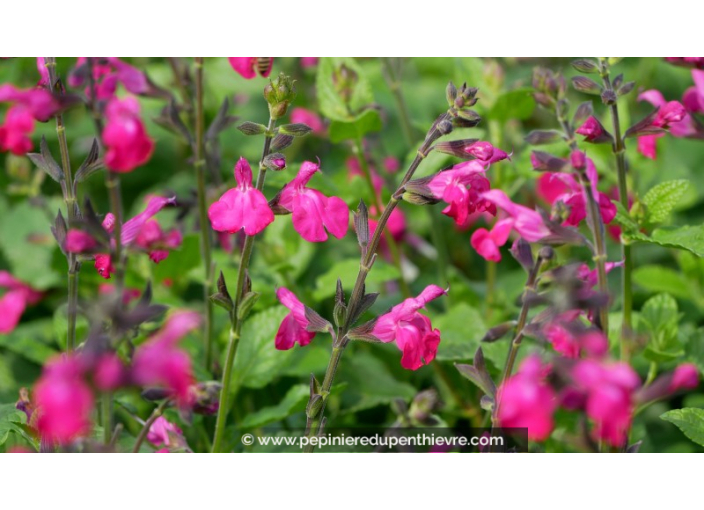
pixel 365 266
pixel 236 323
pixel 107 417
pixel 390 241
pixel 619 150
pixel 70 201
pixel 205 237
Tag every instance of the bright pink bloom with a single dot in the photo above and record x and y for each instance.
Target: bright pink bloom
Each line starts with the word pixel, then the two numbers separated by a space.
pixel 15 301
pixel 313 212
pixel 43 72
pixel 159 362
pixel 591 275
pixel 293 328
pixel 526 401
pixel 609 392
pixel 15 131
pixel 248 67
pixel 110 372
pixel 64 400
pixel 158 243
pixel 647 145
pixel 125 137
pixel 78 241
pixel 461 187
pixel 391 164
pixel 309 118
pixel 696 62
pixel 40 103
pixel 693 97
pixel 161 431
pixel 108 72
pixel 487 243
pixel 413 332
pixel 591 129
pixel 671 115
pixel 103 264
pixel 486 153
pixel 309 61
pixel 685 377
pixel 592 343
pixel 243 207
pixel 550 188
pixel 527 222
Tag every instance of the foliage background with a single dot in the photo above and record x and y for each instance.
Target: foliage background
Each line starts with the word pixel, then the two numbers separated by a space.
pixel 271 386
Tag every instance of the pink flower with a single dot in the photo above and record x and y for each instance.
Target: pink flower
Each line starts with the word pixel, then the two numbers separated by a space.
pixel 593 343
pixel 670 115
pixel 110 373
pixel 461 188
pixel 527 222
pixel 15 301
pixel 64 400
pixel 609 392
pixel 309 62
pixel 161 432
pixel 158 243
pixel 103 265
pixel 485 152
pixel 128 295
pixel 391 164
pixel 696 62
pixel 526 401
pixel 248 67
pixel 43 72
pixel 550 188
pixel 15 131
pixel 243 207
pixel 159 362
pixel 310 118
pixel 685 377
pixel 413 332
pixel 693 97
pixel 78 241
pixel 313 212
pixel 108 72
pixel 293 328
pixel 40 103
pixel 126 140
pixel 592 130
pixel 487 243
pixel 590 276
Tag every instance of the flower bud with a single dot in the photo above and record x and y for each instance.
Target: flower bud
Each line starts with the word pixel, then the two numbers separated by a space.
pixel 279 93
pixel 206 397
pixel 546 253
pixel 275 161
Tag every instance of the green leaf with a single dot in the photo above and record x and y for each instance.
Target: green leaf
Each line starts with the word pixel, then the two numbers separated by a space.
pixel 461 329
pixel 371 383
pixel 27 242
pixel 258 362
pixel 347 271
pixel 10 418
pixel 514 104
pixel 31 340
pixel 332 105
pixel 180 261
pixel 663 279
pixel 659 321
pixel 681 238
pixel 663 198
pixel 366 122
pixel 689 420
pixel 293 402
pixel 624 219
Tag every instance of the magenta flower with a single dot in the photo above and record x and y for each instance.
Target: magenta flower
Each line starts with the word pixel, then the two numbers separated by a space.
pixel 249 67
pixel 64 400
pixel 308 117
pixel 685 377
pixel 159 362
pixel 593 131
pixel 671 115
pixel 313 212
pixel 293 328
pixel 486 153
pixel 309 61
pixel 78 241
pixel 157 242
pixel 162 431
pixel 15 301
pixel 609 392
pixel 103 265
pixel 243 207
pixel 39 103
pixel 527 222
pixel 125 137
pixel 590 276
pixel 593 343
pixel 110 373
pixel 108 72
pixel 461 187
pixel 525 400
pixel 16 130
pixel 487 243
pixel 413 332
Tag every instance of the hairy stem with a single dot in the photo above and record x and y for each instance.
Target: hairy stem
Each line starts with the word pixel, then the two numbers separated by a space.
pixel 236 323
pixel 70 201
pixel 341 340
pixel 205 236
pixel 619 150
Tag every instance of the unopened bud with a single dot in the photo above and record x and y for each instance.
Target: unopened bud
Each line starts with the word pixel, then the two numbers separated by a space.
pixel 546 253
pixel 279 93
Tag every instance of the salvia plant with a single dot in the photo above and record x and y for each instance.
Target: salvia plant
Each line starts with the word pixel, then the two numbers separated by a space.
pixel 528 235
